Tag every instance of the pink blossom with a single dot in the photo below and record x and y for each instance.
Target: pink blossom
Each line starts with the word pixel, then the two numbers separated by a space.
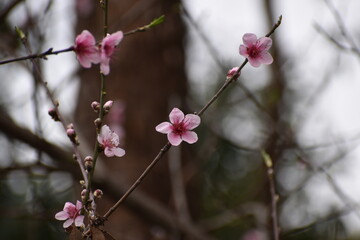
pixel 86 50
pixel 108 45
pixel 178 129
pixel 256 50
pixel 231 73
pixel 110 141
pixel 71 214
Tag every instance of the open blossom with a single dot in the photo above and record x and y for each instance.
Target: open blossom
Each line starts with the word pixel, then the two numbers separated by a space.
pixel 108 46
pixel 179 128
pixel 110 141
pixel 71 214
pixel 86 50
pixel 256 50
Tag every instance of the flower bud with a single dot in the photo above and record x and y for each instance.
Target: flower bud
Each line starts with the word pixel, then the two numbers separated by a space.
pixel 54 114
pixel 232 72
pixel 98 123
pixel 89 163
pixel 71 133
pixel 108 105
pixel 83 194
pixel 95 106
pixel 82 182
pixel 98 193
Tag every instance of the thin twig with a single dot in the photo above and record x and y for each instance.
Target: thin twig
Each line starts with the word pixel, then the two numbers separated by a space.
pixel 39 55
pixel 138 181
pixel 168 145
pixel 274 197
pixel 55 104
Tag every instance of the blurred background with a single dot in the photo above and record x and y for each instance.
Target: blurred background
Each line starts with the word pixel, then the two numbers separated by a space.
pixel 301 110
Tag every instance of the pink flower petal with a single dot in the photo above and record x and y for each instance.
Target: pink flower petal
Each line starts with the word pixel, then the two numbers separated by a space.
pixel 174 139
pixel 119 152
pixel 164 127
pixel 191 121
pixel 78 205
pixel 266 58
pixel 79 221
pixel 105 66
pixel 61 215
pixel 176 116
pixel 68 205
pixel 68 223
pixel 109 43
pixel 255 62
pixel 189 137
pixel 109 152
pixel 85 37
pixel 265 43
pixel 249 39
pixel 243 51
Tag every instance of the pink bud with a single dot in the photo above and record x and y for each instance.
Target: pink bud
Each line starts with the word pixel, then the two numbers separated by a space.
pixel 95 105
pixel 108 105
pixel 98 193
pixel 232 72
pixel 71 132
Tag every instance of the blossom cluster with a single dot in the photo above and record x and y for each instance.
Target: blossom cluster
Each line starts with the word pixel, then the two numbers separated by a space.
pixel 88 52
pixel 179 128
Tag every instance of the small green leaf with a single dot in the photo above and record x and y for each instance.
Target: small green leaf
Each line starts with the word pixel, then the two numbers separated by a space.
pixel 267 159
pixel 20 33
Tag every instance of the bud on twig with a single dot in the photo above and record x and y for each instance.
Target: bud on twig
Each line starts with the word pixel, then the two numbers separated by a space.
pixel 107 106
pixel 53 114
pixel 83 194
pixel 98 193
pixel 95 106
pixel 70 131
pixel 88 163
pixel 98 123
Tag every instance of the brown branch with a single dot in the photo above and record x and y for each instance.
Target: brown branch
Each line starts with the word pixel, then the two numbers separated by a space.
pixel 168 145
pixel 140 203
pixel 38 55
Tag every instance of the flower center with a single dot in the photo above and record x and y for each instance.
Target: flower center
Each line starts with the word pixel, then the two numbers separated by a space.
pixel 178 128
pixel 73 212
pixel 253 51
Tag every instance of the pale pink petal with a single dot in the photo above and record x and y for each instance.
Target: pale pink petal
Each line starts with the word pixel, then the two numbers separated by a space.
pixel 119 152
pixel 105 130
pixel 255 62
pixel 265 43
pixel 109 152
pixel 78 205
pixel 174 139
pixel 84 61
pixel 266 58
pixel 85 37
pixel 100 139
pixel 249 39
pixel 105 66
pixel 164 127
pixel 68 205
pixel 62 215
pixel 243 51
pixel 189 137
pixel 79 221
pixel 191 121
pixel 109 43
pixel 176 116
pixel 68 223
